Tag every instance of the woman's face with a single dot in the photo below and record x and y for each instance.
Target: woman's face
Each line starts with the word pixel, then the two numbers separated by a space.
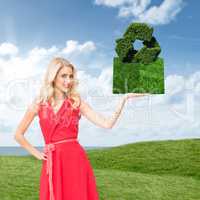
pixel 64 78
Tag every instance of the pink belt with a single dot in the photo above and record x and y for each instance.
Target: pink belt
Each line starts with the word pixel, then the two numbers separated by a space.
pixel 48 149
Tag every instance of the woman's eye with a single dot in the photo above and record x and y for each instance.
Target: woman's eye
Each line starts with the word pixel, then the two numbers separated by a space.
pixel 64 76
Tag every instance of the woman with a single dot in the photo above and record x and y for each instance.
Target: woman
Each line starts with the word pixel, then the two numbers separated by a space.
pixel 66 172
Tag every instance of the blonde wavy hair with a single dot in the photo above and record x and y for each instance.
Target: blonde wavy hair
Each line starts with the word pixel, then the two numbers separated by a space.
pixel 47 89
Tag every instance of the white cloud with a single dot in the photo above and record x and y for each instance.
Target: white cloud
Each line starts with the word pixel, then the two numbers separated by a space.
pixel 162 14
pixel 193 80
pixel 175 84
pixel 134 8
pixel 73 46
pixel 143 11
pixel 8 49
pixel 15 67
pixel 42 52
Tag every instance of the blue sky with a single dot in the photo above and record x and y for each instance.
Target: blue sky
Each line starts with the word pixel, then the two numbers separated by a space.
pixel 34 31
pixel 46 23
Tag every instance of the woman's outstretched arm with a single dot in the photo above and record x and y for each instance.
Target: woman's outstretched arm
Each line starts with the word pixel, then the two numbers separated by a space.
pixel 25 122
pixel 99 119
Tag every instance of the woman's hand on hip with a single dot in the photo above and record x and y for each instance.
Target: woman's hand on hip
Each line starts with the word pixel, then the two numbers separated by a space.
pixel 40 155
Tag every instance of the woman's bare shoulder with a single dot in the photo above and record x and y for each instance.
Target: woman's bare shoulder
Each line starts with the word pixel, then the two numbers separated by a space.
pixel 84 104
pixel 81 101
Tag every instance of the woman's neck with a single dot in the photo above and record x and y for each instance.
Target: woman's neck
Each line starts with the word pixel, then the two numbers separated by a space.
pixel 59 95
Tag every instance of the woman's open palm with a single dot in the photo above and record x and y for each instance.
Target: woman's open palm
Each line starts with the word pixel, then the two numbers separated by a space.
pixel 132 95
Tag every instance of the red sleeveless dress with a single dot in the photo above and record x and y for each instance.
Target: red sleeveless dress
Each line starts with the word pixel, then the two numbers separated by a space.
pixel 67 173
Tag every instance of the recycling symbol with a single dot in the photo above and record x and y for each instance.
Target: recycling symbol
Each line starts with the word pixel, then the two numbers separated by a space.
pixel 125 46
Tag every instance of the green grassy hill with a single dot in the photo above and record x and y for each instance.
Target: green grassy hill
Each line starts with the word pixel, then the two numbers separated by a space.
pixel 161 170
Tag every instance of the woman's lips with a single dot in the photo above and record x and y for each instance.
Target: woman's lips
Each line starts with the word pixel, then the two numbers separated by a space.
pixel 67 85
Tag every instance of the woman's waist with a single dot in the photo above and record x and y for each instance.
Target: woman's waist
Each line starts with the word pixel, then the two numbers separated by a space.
pixel 51 145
